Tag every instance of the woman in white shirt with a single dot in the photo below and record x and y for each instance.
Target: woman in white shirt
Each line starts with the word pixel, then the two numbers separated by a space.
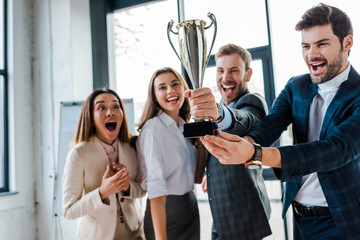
pixel 101 179
pixel 168 160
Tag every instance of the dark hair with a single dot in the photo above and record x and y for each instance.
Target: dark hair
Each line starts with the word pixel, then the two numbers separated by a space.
pixel 86 126
pixel 152 107
pixel 324 14
pixel 232 48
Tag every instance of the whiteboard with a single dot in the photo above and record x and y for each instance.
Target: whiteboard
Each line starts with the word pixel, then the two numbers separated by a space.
pixel 69 116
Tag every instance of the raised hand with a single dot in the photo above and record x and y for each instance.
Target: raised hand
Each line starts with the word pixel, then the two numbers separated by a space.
pixel 202 103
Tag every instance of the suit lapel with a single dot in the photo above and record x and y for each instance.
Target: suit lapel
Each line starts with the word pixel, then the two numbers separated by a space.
pixel 334 105
pixel 342 94
pixel 121 153
pixel 99 149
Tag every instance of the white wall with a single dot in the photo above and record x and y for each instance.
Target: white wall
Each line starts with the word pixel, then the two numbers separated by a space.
pixel 49 62
pixel 19 209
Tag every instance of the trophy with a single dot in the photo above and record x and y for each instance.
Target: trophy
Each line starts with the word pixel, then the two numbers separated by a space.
pixel 194 58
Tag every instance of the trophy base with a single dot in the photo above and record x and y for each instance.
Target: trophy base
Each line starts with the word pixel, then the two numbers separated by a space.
pixel 199 129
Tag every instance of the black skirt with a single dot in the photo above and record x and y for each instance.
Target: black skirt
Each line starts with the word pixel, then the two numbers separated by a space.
pixel 182 218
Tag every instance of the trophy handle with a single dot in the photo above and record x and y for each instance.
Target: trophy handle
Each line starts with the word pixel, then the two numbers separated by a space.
pixel 169 29
pixel 213 21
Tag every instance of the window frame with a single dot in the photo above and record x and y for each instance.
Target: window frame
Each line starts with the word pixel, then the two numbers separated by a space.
pixel 263 53
pixel 100 63
pixel 3 73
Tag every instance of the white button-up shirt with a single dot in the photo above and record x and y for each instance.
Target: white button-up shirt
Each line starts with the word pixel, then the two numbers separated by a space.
pixel 167 159
pixel 311 193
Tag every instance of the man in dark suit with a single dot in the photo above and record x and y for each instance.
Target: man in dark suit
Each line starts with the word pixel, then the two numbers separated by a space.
pixel 237 195
pixel 322 168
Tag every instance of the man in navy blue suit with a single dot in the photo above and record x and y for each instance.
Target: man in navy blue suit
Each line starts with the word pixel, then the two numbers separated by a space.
pixel 322 168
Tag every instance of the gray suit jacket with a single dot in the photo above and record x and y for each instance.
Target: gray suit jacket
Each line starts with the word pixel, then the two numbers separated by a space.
pixel 238 200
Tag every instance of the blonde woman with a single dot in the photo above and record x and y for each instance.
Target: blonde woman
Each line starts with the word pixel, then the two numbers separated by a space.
pixel 101 179
pixel 168 160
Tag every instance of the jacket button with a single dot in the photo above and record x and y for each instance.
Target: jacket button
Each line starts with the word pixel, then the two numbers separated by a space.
pixel 122 199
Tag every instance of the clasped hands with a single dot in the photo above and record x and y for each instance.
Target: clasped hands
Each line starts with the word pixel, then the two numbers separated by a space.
pixel 114 180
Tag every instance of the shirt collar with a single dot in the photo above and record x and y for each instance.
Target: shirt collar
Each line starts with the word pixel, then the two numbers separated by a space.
pixel 110 148
pixel 167 120
pixel 334 83
pixel 231 105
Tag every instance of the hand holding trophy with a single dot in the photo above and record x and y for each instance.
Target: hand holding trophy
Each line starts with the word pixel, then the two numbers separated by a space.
pixel 194 58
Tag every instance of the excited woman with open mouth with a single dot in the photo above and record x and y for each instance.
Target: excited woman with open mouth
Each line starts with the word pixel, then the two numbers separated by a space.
pixel 101 181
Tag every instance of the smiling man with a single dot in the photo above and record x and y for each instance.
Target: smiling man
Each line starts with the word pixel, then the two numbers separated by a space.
pixel 322 168
pixel 237 195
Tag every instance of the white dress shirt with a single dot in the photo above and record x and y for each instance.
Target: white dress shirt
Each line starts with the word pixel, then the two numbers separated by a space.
pixel 311 193
pixel 167 159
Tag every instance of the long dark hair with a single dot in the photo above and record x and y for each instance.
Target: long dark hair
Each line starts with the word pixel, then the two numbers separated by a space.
pixel 86 126
pixel 152 107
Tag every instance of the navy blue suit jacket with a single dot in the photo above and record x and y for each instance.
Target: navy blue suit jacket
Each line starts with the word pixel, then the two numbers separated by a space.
pixel 335 157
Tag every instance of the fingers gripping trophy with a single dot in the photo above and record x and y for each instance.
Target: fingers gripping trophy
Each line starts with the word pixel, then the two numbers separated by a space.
pixel 194 58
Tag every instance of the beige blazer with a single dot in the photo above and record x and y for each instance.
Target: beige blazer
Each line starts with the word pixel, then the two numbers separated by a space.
pixel 85 165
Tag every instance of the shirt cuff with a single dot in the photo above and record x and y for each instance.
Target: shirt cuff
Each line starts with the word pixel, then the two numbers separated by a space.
pixel 225 123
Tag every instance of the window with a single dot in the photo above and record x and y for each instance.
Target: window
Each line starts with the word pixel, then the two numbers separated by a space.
pixel 141 47
pixel 141 44
pixel 4 183
pixel 239 22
